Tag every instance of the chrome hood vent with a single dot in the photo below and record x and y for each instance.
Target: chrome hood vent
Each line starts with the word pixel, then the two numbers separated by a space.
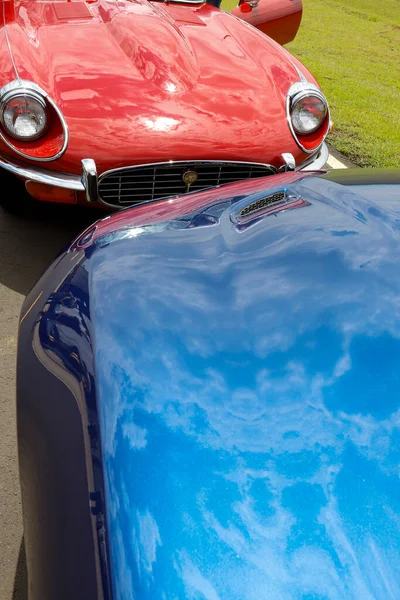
pixel 261 206
pixel 263 203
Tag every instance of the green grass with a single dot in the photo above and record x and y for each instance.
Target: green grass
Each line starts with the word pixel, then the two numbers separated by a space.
pixel 353 48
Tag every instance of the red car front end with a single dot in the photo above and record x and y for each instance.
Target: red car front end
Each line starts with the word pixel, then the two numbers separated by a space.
pixel 142 100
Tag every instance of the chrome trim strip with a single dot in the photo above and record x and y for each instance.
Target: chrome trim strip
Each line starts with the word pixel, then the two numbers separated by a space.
pixel 89 179
pixel 318 161
pixel 29 86
pixel 295 89
pixel 302 77
pixel 62 180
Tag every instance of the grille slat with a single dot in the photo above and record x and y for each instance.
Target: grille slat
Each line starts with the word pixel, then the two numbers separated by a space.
pixel 145 183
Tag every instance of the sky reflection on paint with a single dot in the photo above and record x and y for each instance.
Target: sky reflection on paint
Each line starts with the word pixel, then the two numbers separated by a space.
pixel 249 406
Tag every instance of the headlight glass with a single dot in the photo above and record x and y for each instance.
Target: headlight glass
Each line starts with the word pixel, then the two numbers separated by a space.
pixel 24 115
pixel 308 113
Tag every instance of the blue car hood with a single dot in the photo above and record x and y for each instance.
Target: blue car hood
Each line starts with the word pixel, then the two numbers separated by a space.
pixel 248 394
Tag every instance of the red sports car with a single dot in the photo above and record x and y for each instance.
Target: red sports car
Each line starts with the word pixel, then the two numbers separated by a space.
pixel 115 102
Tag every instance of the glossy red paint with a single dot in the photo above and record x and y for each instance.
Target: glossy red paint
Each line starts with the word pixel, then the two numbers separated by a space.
pixel 140 82
pixel 309 141
pixel 245 8
pixel 47 193
pixel 279 19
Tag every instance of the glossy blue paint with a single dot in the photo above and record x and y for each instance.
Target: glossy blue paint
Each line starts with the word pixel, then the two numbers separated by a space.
pixel 60 458
pixel 248 393
pixel 246 389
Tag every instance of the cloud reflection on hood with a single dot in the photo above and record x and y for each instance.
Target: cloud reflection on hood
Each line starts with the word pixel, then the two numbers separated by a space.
pixel 248 402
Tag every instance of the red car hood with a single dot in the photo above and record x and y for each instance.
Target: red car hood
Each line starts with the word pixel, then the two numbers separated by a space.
pixel 140 82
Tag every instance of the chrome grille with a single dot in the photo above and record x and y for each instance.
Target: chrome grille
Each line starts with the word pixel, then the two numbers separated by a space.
pixel 131 185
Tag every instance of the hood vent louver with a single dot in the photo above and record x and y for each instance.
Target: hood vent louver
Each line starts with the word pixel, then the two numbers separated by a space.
pixel 262 204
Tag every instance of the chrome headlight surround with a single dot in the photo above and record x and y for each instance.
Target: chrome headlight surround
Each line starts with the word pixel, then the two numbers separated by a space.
pixel 22 87
pixel 298 91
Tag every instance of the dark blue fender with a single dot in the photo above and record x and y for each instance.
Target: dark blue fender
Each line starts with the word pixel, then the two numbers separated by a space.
pixel 208 408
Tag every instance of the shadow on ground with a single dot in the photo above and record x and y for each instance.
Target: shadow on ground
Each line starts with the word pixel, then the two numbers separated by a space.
pixel 28 244
pixel 20 591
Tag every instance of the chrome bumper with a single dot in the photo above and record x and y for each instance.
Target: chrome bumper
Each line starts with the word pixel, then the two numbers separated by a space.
pixel 87 181
pixel 69 182
pixel 317 162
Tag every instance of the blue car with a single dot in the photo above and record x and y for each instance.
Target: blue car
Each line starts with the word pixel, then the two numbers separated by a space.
pixel 209 398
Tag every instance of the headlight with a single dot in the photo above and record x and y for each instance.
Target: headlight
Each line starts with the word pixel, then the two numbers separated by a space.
pixel 308 112
pixel 23 114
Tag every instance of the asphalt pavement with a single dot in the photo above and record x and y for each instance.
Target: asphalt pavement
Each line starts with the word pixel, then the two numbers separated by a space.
pixel 27 246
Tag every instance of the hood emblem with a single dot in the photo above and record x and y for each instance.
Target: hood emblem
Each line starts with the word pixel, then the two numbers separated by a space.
pixel 189 177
